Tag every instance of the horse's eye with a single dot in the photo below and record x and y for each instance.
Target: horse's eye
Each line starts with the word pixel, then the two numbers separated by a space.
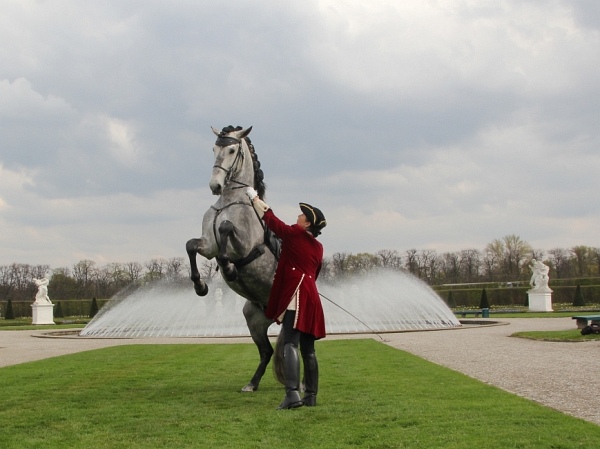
pixel 231 150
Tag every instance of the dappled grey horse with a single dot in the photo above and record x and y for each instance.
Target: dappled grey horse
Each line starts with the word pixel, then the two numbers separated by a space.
pixel 233 234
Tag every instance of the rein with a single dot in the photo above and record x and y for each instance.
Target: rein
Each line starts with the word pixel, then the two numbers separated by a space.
pixel 353 316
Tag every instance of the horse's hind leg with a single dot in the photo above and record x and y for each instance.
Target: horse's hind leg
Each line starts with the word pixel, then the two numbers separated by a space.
pixel 258 324
pixel 226 231
pixel 192 248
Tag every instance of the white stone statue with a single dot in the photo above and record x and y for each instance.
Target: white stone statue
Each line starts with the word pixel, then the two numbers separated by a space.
pixel 42 294
pixel 539 278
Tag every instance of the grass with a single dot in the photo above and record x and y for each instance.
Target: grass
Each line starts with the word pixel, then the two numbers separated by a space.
pixel 571 335
pixel 561 310
pixel 186 396
pixel 22 324
pixel 536 314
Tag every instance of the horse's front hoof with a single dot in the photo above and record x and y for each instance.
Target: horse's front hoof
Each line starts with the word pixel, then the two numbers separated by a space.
pixel 201 289
pixel 249 388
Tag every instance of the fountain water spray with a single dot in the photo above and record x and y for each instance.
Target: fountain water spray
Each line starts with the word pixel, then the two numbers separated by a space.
pixel 376 302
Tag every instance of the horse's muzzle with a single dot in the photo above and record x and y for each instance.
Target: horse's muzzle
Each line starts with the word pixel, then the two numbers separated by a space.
pixel 216 188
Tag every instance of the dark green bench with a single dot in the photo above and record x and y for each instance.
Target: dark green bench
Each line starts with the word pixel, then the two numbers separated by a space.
pixel 583 320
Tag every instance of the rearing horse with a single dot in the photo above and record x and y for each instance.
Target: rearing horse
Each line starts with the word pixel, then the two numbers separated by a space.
pixel 233 233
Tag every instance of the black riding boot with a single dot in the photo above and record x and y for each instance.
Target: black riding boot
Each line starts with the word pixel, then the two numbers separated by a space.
pixel 311 379
pixel 291 367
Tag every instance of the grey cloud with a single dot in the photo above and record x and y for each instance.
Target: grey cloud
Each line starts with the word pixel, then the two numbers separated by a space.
pixel 424 112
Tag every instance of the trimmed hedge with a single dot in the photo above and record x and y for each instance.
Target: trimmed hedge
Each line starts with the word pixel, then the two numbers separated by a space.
pixel 578 301
pixel 573 282
pixel 483 302
pixel 515 296
pixel 69 307
pixel 9 313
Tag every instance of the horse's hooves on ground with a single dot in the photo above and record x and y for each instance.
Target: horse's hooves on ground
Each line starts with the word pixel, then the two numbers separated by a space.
pixel 201 291
pixel 248 388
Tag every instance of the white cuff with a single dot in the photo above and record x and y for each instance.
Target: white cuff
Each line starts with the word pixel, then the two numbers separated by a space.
pixel 260 207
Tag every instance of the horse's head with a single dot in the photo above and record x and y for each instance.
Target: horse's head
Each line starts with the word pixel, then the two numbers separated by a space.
pixel 229 152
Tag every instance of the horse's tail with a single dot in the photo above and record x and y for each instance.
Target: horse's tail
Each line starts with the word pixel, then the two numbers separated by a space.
pixel 278 358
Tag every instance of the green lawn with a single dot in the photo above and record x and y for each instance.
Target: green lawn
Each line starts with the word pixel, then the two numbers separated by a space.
pixel 186 396
pixel 22 324
pixel 572 335
pixel 558 314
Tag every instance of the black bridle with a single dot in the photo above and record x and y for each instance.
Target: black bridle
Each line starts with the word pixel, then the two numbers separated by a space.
pixel 237 161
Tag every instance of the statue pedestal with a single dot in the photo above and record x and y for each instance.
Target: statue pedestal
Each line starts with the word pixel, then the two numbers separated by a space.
pixel 43 313
pixel 540 301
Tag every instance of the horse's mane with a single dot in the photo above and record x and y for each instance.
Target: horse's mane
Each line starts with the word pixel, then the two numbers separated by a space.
pixel 259 181
pixel 259 177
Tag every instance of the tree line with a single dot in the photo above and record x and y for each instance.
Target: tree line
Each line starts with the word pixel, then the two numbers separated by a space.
pixel 87 280
pixel 503 260
pixel 506 259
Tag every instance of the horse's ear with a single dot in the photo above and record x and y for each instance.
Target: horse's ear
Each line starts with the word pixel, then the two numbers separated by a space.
pixel 215 131
pixel 245 132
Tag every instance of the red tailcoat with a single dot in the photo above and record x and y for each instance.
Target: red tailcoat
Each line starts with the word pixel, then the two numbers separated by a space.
pixel 298 268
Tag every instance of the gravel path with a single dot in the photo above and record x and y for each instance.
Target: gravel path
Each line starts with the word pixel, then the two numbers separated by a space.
pixel 563 376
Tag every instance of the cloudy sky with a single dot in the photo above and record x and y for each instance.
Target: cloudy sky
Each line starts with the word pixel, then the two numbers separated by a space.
pixel 412 124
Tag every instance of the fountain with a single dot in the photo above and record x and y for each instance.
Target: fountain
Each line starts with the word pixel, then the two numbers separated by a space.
pixel 375 302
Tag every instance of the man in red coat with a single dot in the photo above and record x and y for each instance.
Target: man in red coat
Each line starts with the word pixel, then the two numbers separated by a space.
pixel 294 300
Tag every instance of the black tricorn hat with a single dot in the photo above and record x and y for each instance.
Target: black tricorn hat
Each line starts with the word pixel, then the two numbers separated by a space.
pixel 313 215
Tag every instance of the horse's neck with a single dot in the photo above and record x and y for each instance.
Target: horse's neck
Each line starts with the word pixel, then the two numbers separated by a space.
pixel 233 194
pixel 244 177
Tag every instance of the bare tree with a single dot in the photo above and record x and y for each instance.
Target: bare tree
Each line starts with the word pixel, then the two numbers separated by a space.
pixel 595 258
pixel 20 275
pixel 490 263
pixel 450 266
pixel 6 286
pixel 581 256
pixel 82 273
pixel 340 264
pixel 390 258
pixel 155 269
pixel 39 271
pixel 559 260
pixel 175 266
pixel 412 264
pixel 103 280
pixel 133 271
pixel 427 261
pixel 510 254
pixel 470 263
pixel 119 275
